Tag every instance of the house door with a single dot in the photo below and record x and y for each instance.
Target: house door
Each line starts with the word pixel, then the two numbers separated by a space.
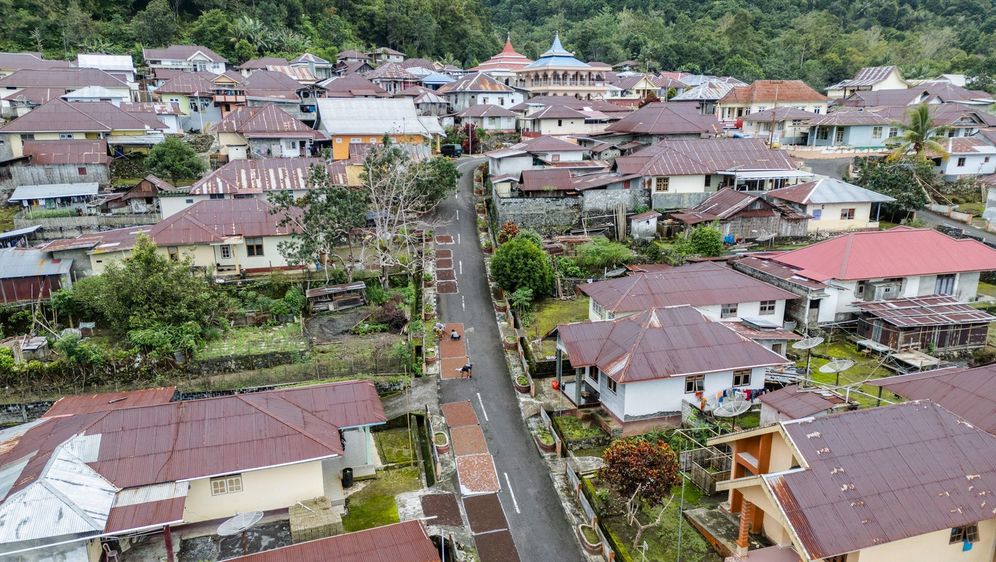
pixel 877 330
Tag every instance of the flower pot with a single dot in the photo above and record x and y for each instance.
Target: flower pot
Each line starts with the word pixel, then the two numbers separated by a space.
pixel 593 548
pixel 441 442
pixel 501 306
pixel 488 250
pixel 430 359
pixel 510 345
pixel 427 316
pixel 551 448
pixel 523 388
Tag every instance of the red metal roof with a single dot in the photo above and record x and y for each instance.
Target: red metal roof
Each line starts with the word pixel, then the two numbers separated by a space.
pixel 969 393
pixel 507 59
pixel 89 403
pixel 931 310
pixel 696 284
pixel 400 542
pixel 796 402
pixel 214 220
pixel 898 252
pixel 146 515
pixel 660 343
pixel 884 474
pixel 75 151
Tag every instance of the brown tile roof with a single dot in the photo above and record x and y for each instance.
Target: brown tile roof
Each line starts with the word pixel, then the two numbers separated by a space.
pixel 61 116
pixel 968 393
pixel 770 91
pixel 350 54
pixel 213 220
pixel 400 542
pixel 266 121
pixel 352 85
pixel 667 119
pixel 660 343
pixel 881 475
pixel 478 82
pixel 763 264
pixel 703 156
pixel 76 151
pixel 420 63
pixel 697 284
pixel 795 402
pixel 260 175
pixel 930 310
pixel 970 145
pixel 89 403
pixel 556 179
pixel 943 92
pixel 67 78
pixel 181 52
pixel 573 103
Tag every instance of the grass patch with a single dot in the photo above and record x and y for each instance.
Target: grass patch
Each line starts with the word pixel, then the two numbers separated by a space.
pixel 256 340
pixel 987 289
pixel 662 541
pixel 865 367
pixel 550 313
pixel 7 213
pixel 574 429
pixel 374 506
pixel 39 213
pixel 972 208
pixel 394 446
pixel 750 420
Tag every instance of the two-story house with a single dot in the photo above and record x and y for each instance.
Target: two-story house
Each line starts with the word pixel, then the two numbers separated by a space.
pixel 194 58
pixel 869 79
pixel 762 95
pixel 479 89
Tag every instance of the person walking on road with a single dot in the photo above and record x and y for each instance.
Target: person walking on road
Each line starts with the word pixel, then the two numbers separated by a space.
pixel 466 372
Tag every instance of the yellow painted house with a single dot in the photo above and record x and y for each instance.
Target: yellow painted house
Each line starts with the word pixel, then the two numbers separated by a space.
pixel 59 120
pixel 349 121
pixel 909 481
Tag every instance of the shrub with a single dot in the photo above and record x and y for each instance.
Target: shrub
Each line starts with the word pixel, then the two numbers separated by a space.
pixel 521 263
pixel 631 464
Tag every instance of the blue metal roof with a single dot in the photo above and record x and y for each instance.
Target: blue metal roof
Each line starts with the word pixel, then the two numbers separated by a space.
pixel 557 57
pixel 437 78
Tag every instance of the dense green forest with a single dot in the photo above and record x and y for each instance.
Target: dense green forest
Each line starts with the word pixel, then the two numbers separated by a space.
pixel 819 41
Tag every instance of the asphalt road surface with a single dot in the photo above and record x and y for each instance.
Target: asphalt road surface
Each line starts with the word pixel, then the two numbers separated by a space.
pixel 536 518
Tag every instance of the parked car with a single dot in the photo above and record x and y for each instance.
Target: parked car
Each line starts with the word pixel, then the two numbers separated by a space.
pixel 451 150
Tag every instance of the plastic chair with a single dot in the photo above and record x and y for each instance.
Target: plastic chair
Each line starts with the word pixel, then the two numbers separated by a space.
pixel 109 554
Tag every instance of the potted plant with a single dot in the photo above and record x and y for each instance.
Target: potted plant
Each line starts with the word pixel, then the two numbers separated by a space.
pixel 427 279
pixel 441 442
pixel 482 224
pixel 501 306
pixel 589 538
pixel 486 246
pixel 545 441
pixel 509 343
pixel 430 356
pixel 522 384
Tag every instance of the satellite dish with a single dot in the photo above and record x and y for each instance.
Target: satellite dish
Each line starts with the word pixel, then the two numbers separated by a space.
pixel 837 365
pixel 731 407
pixel 808 343
pixel 240 523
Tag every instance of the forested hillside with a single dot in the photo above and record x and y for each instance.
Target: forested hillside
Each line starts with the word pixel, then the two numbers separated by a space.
pixel 819 41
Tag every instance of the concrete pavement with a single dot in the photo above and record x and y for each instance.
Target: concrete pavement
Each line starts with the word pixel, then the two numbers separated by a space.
pixel 933 219
pixel 536 518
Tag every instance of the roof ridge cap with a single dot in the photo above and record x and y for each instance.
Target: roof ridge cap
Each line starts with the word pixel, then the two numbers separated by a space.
pixel 301 430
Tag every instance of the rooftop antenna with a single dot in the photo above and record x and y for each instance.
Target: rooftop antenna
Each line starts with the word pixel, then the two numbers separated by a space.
pixel 732 407
pixel 836 366
pixel 238 525
pixel 808 344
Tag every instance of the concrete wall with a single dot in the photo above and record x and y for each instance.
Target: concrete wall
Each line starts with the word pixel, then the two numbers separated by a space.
pixel 33 174
pixel 672 201
pixel 975 165
pixel 68 227
pixel 262 490
pixel 934 546
pixel 601 201
pixel 829 217
pixel 664 396
pixel 544 214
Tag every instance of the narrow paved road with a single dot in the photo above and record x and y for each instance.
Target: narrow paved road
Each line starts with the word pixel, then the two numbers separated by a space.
pixel 539 527
pixel 933 219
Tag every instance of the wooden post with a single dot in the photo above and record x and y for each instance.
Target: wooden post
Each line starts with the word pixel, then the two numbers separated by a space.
pixel 168 539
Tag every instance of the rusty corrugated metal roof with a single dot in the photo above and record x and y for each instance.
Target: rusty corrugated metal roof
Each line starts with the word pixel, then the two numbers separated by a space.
pixel 796 402
pixel 884 474
pixel 400 542
pixel 89 403
pixel 266 121
pixel 214 220
pixel 930 310
pixel 660 343
pixel 698 284
pixel 667 119
pixel 70 151
pixel 969 393
pixel 704 156
pixel 260 175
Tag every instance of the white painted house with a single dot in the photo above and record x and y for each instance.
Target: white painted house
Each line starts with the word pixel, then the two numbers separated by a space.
pixel 967 156
pixel 479 88
pixel 532 154
pixel 831 276
pixel 193 58
pixel 869 79
pixel 644 366
pixel 833 205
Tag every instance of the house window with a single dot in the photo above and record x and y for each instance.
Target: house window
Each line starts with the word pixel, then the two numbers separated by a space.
pixel 728 311
pixel 838 558
pixel 610 384
pixel 767 307
pixel 174 253
pixel 968 533
pixel 822 133
pixel 708 181
pixel 876 132
pixel 354 140
pixel 945 285
pixel 189 201
pixel 216 196
pixel 961 162
pixel 226 252
pixel 847 214
pixel 230 484
pixel 985 160
pixel 662 184
pixel 254 246
pixel 893 132
pixel 338 140
pixel 839 135
pixel 694 383
pixel 81 170
pixel 65 136
pixel 817 213
pixel 741 377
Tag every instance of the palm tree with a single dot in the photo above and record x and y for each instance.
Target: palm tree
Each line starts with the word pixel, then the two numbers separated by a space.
pixel 920 135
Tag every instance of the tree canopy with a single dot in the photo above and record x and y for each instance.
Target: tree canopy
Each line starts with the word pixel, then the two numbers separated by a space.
pixel 174 159
pixel 520 263
pixel 638 464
